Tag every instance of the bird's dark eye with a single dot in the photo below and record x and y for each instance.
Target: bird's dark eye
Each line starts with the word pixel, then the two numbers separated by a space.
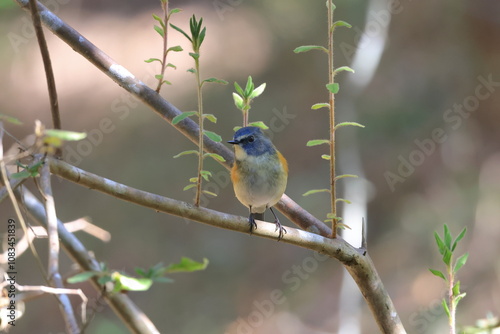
pixel 251 139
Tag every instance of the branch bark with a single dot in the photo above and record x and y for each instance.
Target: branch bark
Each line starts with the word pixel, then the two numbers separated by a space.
pixel 357 262
pixel 131 315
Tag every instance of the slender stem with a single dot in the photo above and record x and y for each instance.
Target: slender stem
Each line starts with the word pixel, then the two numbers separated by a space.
pixel 164 6
pixel 332 121
pixel 451 304
pixel 245 118
pixel 200 140
pixel 49 73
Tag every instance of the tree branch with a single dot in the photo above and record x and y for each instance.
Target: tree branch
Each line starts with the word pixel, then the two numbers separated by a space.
pixel 53 275
pixel 131 315
pixel 357 262
pixel 162 107
pixel 49 73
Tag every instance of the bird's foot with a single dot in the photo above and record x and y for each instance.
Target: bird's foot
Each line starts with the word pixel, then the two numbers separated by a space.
pixel 252 223
pixel 282 230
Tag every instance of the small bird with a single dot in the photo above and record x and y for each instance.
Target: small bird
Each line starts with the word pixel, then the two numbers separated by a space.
pixel 259 174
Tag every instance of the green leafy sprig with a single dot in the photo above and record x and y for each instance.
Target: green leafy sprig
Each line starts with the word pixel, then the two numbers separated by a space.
pixel 196 38
pixel 162 30
pixel 332 89
pixel 447 246
pixel 122 282
pixel 243 98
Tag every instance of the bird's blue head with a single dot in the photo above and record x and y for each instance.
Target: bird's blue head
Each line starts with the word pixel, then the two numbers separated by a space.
pixel 252 142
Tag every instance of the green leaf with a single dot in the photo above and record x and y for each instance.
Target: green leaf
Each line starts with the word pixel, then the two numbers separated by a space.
pixel 458 298
pixel 205 174
pixel 212 135
pixel 131 283
pixel 437 273
pixel 249 87
pixel 29 171
pixel 186 153
pixel 210 117
pixel 209 193
pixel 316 142
pixel 333 87
pixel 341 24
pixel 159 76
pixel 258 91
pixel 344 176
pixel 445 307
pixel 24 174
pixel 343 200
pixel 195 55
pixel 82 277
pixel 460 262
pixel 456 289
pixel 238 101
pixel 150 60
pixel 182 32
pixel 185 114
pixel 193 179
pixel 174 11
pixel 215 80
pixel 104 279
pixel 315 191
pixel 348 124
pixel 171 65
pixel 447 257
pixel 192 70
pixel 439 243
pixel 320 105
pixel 343 68
pixel 187 265
pixel 65 135
pixel 160 31
pixel 325 156
pixel 259 124
pixel 215 156
pixel 176 48
pixel 238 88
pixel 460 236
pixel 159 19
pixel 447 236
pixel 306 48
pixel 189 186
pixel 10 119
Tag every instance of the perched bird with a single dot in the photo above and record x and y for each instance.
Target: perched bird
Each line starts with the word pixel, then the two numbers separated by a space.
pixel 259 174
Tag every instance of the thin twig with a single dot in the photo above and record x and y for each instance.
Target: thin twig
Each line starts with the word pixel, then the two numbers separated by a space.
pixel 49 73
pixel 131 315
pixel 53 274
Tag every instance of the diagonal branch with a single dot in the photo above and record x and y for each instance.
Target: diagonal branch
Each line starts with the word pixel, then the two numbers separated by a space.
pixel 51 83
pixel 132 316
pixel 357 262
pixel 165 109
pixel 53 275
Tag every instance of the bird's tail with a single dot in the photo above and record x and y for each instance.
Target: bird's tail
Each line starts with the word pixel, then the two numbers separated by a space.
pixel 258 216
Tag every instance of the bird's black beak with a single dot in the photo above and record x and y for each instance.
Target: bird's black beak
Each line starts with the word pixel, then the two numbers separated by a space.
pixel 234 142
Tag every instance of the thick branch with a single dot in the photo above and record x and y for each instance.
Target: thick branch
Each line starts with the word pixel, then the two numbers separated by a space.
pixel 165 109
pixel 359 265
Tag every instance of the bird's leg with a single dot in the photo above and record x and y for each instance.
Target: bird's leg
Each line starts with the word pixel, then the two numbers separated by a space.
pixel 251 221
pixel 282 230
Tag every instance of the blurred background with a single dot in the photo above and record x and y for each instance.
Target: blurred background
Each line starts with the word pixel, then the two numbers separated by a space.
pixel 429 154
